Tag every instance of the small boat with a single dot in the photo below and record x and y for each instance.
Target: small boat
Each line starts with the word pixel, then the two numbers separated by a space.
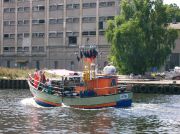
pixel 88 91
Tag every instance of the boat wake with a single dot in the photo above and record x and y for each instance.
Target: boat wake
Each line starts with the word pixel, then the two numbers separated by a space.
pixel 30 102
pixel 63 105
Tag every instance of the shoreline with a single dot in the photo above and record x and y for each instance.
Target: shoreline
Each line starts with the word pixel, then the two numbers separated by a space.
pixel 136 86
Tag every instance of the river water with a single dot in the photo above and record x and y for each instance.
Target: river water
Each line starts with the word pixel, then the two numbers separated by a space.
pixel 150 113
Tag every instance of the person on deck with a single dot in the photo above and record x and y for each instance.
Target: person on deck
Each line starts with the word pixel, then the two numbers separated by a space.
pixel 48 87
pixel 36 79
pixel 43 77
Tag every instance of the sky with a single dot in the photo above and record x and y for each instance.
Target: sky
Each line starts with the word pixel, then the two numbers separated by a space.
pixel 172 1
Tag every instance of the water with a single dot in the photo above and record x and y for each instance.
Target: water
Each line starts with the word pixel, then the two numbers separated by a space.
pixel 19 114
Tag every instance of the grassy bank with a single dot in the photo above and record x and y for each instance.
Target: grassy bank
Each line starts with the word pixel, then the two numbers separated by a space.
pixel 14 73
pixel 17 73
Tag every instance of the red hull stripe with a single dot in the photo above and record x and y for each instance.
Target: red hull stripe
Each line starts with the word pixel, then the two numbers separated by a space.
pixel 112 104
pixel 50 103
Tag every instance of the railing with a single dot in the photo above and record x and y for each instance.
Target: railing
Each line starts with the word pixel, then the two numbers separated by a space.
pixel 44 87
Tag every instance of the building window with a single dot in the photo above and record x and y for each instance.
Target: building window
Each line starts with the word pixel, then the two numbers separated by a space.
pixel 12 49
pixel 35 49
pixel 35 35
pixel 76 6
pixel 6 49
pixel 89 19
pixel 26 34
pixel 6 23
pixel 38 21
pixel 35 22
pixel 93 5
pixel 72 65
pixel 60 7
pixel 101 32
pixel 20 35
pixel 41 8
pixel 59 34
pixel 9 0
pixel 26 9
pixel 12 23
pixel 92 33
pixel 52 21
pixel 85 5
pixel 75 20
pixel 19 49
pixel 110 4
pixel 6 10
pixel 92 19
pixel 52 7
pixel 59 21
pixel 8 64
pixel 110 17
pixel 72 40
pixel 41 35
pixel 37 65
pixel 6 35
pixel 26 49
pixel 89 5
pixel 20 22
pixel 85 33
pixel 52 35
pixel 101 26
pixel 56 64
pixel 85 19
pixel 38 35
pixel 41 49
pixel 9 49
pixel 12 10
pixel 69 20
pixel 56 7
pixel 69 6
pixel 38 8
pixel 20 9
pixel 41 21
pixel 26 22
pixel 102 4
pixel 12 36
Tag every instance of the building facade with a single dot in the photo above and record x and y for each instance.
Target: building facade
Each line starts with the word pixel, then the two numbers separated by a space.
pixel 48 33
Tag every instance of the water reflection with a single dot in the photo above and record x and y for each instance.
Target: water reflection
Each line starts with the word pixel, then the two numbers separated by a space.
pixel 149 114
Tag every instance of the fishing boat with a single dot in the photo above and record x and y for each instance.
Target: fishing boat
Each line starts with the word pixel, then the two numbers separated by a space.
pixel 89 91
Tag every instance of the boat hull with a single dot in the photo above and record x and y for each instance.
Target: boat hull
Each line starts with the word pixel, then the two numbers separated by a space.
pixel 119 100
pixel 116 100
pixel 45 99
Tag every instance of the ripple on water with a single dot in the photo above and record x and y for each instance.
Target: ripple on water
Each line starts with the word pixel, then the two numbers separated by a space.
pixel 148 114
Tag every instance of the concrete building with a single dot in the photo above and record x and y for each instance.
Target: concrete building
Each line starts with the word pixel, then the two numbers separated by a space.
pixel 48 33
pixel 174 58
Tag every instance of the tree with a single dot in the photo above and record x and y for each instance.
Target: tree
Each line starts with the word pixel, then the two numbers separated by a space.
pixel 140 37
pixel 173 13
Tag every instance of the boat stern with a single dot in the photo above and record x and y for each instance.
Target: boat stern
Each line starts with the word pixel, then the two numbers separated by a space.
pixel 124 100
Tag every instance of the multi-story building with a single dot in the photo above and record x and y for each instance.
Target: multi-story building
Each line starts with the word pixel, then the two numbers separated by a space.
pixel 48 33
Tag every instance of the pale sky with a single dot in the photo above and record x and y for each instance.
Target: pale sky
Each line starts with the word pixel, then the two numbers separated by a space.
pixel 172 1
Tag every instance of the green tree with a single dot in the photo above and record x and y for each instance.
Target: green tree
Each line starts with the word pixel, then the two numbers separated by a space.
pixel 140 37
pixel 173 13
